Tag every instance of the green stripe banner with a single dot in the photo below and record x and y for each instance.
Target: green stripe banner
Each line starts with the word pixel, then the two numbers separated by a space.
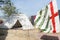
pixel 43 18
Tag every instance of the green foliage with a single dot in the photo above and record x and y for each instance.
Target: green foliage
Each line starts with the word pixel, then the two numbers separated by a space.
pixel 9 8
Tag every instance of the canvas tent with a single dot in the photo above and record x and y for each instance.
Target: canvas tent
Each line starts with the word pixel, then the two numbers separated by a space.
pixel 23 19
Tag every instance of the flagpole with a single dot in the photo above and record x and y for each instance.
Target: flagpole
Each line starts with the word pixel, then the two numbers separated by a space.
pixel 28 34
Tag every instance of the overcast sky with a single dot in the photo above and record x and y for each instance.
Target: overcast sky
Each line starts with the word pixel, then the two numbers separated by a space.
pixel 30 7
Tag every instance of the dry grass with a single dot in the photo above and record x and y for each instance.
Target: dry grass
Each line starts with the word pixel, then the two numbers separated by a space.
pixel 33 34
pixel 21 35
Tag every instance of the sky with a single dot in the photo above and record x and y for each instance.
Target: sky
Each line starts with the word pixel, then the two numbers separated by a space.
pixel 31 7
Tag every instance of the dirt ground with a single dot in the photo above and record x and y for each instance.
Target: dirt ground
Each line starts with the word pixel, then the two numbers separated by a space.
pixel 33 34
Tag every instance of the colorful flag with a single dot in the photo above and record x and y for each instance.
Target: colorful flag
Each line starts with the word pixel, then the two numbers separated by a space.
pixel 47 20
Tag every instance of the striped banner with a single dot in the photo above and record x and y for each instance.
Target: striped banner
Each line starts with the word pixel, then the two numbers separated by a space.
pixel 47 20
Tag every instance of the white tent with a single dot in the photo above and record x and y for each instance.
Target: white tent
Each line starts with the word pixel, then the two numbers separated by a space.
pixel 23 19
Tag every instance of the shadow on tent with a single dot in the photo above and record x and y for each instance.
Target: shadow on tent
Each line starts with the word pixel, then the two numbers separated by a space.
pixel 3 32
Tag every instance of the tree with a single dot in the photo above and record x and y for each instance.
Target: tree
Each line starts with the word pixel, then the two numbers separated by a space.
pixel 9 8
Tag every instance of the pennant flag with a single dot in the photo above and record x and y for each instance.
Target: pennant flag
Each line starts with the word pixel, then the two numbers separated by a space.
pixel 47 20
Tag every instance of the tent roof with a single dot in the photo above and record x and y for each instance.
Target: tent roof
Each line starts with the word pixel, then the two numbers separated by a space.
pixel 23 19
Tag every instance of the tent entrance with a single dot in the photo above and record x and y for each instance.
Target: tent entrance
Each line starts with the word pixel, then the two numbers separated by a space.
pixel 17 25
pixel 1 21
